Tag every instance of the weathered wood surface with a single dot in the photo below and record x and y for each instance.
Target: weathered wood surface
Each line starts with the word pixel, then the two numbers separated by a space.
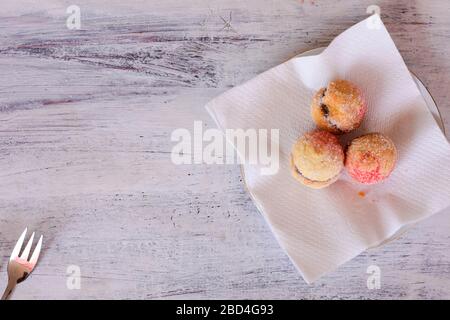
pixel 85 123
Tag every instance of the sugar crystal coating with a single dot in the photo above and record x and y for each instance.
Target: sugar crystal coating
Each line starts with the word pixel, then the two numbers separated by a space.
pixel 338 108
pixel 371 158
pixel 317 158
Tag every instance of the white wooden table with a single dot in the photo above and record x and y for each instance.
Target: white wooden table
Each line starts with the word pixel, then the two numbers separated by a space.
pixel 85 123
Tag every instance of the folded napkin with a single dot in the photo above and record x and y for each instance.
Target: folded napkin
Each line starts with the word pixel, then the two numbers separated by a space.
pixel 321 229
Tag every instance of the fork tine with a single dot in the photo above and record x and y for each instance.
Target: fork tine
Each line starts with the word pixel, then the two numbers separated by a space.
pixel 18 245
pixel 26 251
pixel 37 250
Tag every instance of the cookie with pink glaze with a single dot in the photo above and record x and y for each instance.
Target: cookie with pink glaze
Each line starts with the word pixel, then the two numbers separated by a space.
pixel 317 158
pixel 338 108
pixel 370 158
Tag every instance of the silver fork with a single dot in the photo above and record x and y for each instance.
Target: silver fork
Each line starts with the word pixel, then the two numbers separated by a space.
pixel 19 267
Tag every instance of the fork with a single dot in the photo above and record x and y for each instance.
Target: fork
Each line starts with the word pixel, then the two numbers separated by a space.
pixel 19 267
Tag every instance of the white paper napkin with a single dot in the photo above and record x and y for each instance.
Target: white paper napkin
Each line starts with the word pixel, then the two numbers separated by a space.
pixel 321 229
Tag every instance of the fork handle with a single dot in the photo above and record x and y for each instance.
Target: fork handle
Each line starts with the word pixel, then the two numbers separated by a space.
pixel 9 289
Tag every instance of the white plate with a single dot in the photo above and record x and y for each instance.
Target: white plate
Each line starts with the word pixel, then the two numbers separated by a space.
pixel 431 106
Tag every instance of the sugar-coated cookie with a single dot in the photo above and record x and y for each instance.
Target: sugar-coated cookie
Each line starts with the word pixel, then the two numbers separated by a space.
pixel 370 158
pixel 317 158
pixel 338 108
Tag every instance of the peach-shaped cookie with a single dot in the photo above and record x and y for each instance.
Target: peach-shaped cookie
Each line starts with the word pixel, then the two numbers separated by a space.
pixel 338 108
pixel 370 158
pixel 317 158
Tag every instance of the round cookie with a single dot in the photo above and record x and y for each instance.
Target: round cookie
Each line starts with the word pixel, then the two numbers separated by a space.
pixel 370 158
pixel 339 108
pixel 317 158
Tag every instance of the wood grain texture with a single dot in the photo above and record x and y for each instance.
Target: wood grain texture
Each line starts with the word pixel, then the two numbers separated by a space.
pixel 85 123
